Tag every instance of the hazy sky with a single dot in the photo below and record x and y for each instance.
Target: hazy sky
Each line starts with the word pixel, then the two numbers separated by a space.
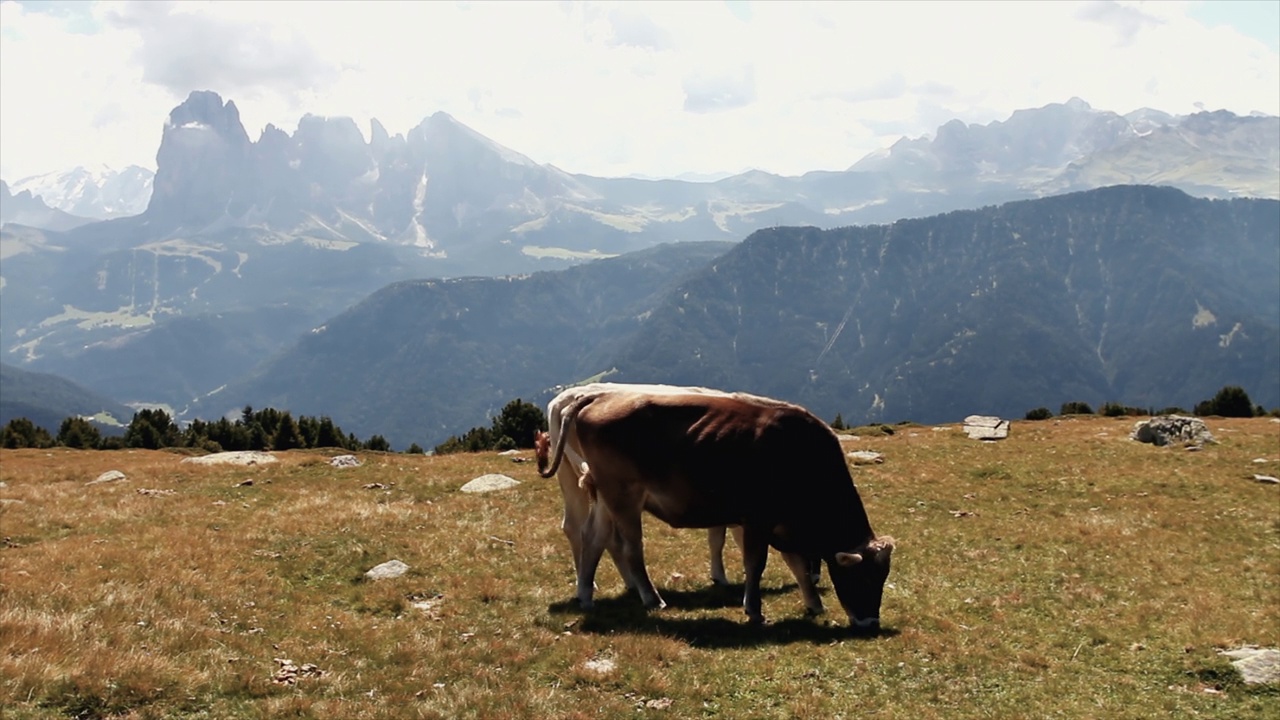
pixel 611 89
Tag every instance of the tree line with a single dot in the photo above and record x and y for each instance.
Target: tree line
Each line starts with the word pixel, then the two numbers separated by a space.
pixel 1230 401
pixel 513 428
pixel 269 429
pixel 153 429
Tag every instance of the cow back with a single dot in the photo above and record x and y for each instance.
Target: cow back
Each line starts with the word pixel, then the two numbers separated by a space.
pixel 708 458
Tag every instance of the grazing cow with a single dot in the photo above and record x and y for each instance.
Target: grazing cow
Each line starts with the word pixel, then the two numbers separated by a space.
pixel 706 459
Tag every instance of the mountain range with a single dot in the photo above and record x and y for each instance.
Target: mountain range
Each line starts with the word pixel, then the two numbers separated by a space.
pixel 94 193
pixel 24 209
pixel 250 244
pixel 1132 294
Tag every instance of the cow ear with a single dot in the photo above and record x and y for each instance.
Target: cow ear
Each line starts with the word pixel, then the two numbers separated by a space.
pixel 847 559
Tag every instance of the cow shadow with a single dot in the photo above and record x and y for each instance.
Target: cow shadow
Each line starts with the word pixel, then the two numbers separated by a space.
pixel 624 614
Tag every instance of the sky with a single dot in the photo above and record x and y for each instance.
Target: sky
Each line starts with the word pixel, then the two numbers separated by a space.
pixel 653 89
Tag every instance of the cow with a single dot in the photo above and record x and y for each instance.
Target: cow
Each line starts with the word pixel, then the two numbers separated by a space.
pixel 572 485
pixel 696 458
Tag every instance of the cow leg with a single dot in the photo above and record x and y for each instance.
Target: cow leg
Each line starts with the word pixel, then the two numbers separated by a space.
pixel 629 527
pixel 575 511
pixel 802 569
pixel 576 508
pixel 614 546
pixel 715 543
pixel 572 528
pixel 755 553
pixel 596 530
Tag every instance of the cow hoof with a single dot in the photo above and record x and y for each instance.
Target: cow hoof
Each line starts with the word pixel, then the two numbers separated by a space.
pixel 720 581
pixel 755 620
pixel 811 612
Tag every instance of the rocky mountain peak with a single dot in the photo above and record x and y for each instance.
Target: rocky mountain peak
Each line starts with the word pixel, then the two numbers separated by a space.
pixel 378 136
pixel 203 155
pixel 441 132
pixel 204 109
pixel 332 152
pixel 1209 121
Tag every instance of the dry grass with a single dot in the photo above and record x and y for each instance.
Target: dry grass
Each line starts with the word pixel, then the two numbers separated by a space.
pixel 1064 572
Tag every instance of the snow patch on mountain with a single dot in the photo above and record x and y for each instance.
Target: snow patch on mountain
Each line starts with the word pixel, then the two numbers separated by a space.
pixel 96 191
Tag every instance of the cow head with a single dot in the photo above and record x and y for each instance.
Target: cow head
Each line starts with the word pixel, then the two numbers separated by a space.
pixel 858 577
pixel 542 449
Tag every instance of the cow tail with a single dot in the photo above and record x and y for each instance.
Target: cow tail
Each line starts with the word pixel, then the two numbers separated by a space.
pixel 566 419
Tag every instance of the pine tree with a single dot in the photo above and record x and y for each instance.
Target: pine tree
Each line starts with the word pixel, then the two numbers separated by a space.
pixel 76 432
pixel 151 429
pixel 1230 401
pixel 328 435
pixel 287 435
pixel 22 433
pixel 519 421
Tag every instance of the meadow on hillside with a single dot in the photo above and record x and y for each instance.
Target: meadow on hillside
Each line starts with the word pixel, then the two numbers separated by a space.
pixel 1067 571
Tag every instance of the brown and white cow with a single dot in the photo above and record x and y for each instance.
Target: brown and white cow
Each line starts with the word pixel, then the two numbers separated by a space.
pixel 697 458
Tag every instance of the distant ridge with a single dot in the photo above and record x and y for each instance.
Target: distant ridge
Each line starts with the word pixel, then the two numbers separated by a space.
pixel 47 400
pixel 1133 294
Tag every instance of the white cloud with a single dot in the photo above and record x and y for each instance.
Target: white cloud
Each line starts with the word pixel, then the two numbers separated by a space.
pixel 723 91
pixel 607 88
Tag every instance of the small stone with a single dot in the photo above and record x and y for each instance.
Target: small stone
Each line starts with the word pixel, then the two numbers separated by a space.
pixel 1256 665
pixel 986 427
pixel 387 570
pixel 288 673
pixel 600 665
pixel 1167 429
pixel 106 477
pixel 490 483
pixel 1266 479
pixel 344 461
pixel 243 457
pixel 865 457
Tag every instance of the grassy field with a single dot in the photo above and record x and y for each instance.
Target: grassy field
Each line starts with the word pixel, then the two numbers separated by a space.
pixel 1065 572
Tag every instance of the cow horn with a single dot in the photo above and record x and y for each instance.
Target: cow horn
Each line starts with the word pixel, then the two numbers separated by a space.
pixel 882 547
pixel 847 559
